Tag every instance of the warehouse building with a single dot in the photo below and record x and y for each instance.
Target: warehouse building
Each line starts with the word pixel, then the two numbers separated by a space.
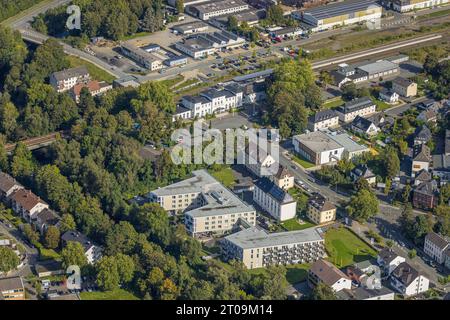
pixel 204 44
pixel 251 17
pixel 339 14
pixel 190 27
pixel 317 147
pixel 257 248
pixel 142 57
pixel 208 10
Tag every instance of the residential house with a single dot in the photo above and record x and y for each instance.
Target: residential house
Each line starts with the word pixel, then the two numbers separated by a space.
pixel 389 260
pixel 364 126
pixel 44 219
pixel 408 281
pixel 363 293
pixel 421 159
pixel 283 178
pixel 320 210
pixel 404 87
pixel 436 246
pixel 48 268
pixel 182 113
pixel 257 248
pixel 425 195
pixel 8 185
pixel 12 288
pixel 427 116
pixel 441 162
pixel 260 162
pixel 422 135
pixel 92 252
pixel 94 87
pixel 323 271
pixel 422 176
pixel 65 80
pixel 447 259
pixel 363 172
pixel 27 204
pixel 276 201
pixel 322 120
pixel 358 107
pixel 388 95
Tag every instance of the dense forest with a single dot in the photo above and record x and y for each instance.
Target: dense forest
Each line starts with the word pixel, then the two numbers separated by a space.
pixel 13 7
pixel 110 19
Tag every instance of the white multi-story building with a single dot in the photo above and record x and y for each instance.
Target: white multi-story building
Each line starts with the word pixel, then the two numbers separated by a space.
pixel 317 147
pixel 359 107
pixel 67 79
pixel 410 5
pixel 322 120
pixel 436 246
pixel 209 208
pixel 408 281
pixel 276 201
pixel 214 100
pixel 257 248
pixel 205 11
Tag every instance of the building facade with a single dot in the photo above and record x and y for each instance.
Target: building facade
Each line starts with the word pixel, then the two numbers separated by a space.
pixel 359 107
pixel 317 147
pixel 276 201
pixel 320 210
pixel 436 246
pixel 257 248
pixel 404 87
pixel 323 120
pixel 65 80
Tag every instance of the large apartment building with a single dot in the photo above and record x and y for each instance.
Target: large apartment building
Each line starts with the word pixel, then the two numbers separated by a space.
pixel 213 100
pixel 257 248
pixel 359 107
pixel 322 120
pixel 436 246
pixel 65 80
pixel 209 207
pixel 276 201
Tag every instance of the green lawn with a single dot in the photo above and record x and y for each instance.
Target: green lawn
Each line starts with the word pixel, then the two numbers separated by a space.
pixel 173 81
pixel 295 273
pixel 118 294
pixel 302 161
pixel 345 248
pixel 135 35
pixel 225 176
pixel 293 224
pixel 48 254
pixel 95 72
pixel 381 105
pixel 333 103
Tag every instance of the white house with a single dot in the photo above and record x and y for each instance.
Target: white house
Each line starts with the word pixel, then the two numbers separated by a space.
pixel 323 271
pixel 358 107
pixel 317 147
pixel 408 281
pixel 322 120
pixel 389 96
pixel 27 204
pixel 92 252
pixel 436 246
pixel 276 201
pixel 364 126
pixel 389 260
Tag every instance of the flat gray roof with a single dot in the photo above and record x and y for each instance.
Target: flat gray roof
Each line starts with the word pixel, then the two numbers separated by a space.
pixel 346 141
pixel 257 238
pixel 379 66
pixel 219 200
pixel 340 8
pixel 317 141
pixel 190 25
pixel 218 5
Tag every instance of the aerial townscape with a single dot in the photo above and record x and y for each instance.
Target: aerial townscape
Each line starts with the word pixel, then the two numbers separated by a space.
pixel 347 197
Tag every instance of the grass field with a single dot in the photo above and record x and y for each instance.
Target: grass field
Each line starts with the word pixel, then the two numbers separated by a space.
pixel 173 81
pixel 95 72
pixel 345 248
pixel 333 103
pixel 118 294
pixel 295 273
pixel 381 105
pixel 303 162
pixel 225 176
pixel 293 224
